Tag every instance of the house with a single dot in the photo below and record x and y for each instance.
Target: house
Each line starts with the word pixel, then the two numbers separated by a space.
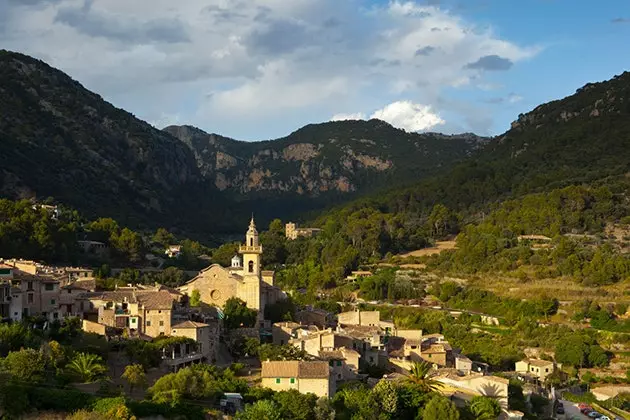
pixel 477 384
pixel 144 312
pixel 244 279
pixel 95 248
pixel 364 318
pixel 292 231
pixel 173 251
pixel 314 316
pixel 282 332
pixel 536 368
pixel 369 341
pixel 343 362
pixel 201 333
pixel 304 376
pixel 463 364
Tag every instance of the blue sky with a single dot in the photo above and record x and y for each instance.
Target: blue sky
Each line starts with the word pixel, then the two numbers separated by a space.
pixel 260 69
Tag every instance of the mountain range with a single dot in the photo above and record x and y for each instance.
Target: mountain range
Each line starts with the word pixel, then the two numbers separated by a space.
pixel 57 139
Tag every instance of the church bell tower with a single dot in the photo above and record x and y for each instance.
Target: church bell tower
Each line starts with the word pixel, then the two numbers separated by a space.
pixel 251 251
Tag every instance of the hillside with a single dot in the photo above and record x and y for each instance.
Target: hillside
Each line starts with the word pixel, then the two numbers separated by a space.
pixel 59 140
pixel 583 138
pixel 336 157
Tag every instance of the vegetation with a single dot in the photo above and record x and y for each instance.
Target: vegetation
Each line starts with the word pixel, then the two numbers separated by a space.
pixel 237 314
pixel 87 367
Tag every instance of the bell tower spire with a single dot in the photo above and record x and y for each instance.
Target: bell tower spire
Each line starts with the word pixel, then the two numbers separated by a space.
pixel 251 250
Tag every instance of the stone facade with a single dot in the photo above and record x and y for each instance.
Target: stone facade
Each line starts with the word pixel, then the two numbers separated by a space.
pixel 363 318
pixel 245 280
pixel 304 376
pixel 537 368
pixel 292 231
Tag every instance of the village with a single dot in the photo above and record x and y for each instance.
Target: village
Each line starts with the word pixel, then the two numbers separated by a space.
pixel 356 345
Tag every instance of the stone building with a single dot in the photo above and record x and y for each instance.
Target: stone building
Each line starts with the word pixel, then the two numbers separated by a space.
pixel 536 367
pixel 142 312
pixel 292 231
pixel 304 376
pixel 343 362
pixel 244 279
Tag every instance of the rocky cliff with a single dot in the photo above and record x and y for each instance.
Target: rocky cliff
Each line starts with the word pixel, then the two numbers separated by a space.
pixel 338 157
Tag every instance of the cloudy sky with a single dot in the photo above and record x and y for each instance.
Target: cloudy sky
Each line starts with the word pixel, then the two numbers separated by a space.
pixel 259 69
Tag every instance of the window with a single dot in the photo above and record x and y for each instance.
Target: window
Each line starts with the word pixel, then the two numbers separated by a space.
pixel 282 342
pixel 133 320
pixel 29 298
pixel 546 370
pixel 49 287
pixel 251 266
pixel 52 301
pixel 55 315
pixel 331 363
pixel 69 291
pixel 5 271
pixel 338 362
pixel 277 380
pixel 159 312
pixel 161 323
pixel 148 323
pixel 251 241
pixel 292 380
pixel 30 285
pixel 429 356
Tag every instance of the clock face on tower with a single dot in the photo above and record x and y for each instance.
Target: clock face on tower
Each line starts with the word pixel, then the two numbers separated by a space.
pixel 215 295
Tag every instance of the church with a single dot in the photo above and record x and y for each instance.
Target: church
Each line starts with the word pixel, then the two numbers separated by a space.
pixel 244 279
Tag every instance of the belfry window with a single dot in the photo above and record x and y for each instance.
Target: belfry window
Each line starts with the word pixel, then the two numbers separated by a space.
pixel 251 241
pixel 251 266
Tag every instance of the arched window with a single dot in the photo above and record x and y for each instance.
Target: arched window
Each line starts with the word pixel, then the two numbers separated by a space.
pixel 251 266
pixel 251 241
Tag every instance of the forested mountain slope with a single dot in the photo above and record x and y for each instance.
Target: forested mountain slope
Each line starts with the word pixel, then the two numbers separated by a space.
pixel 336 157
pixel 580 139
pixel 59 140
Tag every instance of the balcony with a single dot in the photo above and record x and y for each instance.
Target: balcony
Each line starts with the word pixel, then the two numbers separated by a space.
pixel 179 360
pixel 250 249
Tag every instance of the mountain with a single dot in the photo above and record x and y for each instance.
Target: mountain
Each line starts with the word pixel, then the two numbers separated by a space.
pixel 335 157
pixel 59 140
pixel 583 138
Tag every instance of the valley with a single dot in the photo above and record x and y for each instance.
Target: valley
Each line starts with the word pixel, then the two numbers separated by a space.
pixel 438 272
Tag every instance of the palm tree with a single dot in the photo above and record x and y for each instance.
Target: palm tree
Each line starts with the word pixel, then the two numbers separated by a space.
pixel 419 376
pixel 485 408
pixel 87 366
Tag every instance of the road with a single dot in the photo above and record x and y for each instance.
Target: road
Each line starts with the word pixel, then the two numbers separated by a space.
pixel 572 411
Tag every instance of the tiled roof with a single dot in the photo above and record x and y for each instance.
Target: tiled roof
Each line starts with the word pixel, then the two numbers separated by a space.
pixel 287 324
pixel 267 273
pixel 361 331
pixel 5 266
pixel 155 300
pixel 295 369
pixel 434 349
pixel 539 362
pixel 190 324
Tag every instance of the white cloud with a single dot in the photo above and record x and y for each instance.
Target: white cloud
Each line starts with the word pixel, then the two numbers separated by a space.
pixel 514 98
pixel 289 62
pixel 348 117
pixel 401 114
pixel 409 116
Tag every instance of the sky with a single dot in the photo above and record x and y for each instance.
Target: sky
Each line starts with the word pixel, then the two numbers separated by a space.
pixel 261 69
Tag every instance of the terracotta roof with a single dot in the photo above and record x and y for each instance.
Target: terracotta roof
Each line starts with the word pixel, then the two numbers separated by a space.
pixel 86 284
pixel 361 331
pixel 287 324
pixel 155 300
pixel 190 324
pixel 331 354
pixel 434 349
pixel 429 336
pixel 537 362
pixel 295 369
pixel 5 266
pixel 267 273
